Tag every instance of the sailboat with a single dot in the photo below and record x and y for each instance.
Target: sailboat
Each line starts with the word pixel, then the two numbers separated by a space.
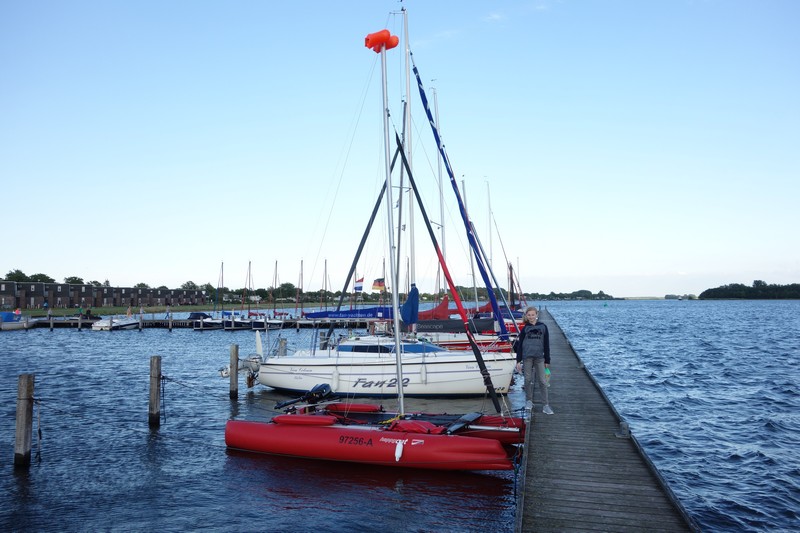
pixel 364 433
pixel 202 321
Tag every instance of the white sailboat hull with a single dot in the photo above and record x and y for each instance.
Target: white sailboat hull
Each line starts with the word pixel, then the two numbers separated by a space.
pixel 443 374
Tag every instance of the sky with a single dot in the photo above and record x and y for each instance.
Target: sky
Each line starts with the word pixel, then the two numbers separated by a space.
pixel 635 148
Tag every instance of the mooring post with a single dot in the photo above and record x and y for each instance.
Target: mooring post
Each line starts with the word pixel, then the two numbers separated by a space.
pixel 154 411
pixel 79 322
pixel 170 321
pixel 141 322
pixel 24 431
pixel 51 322
pixel 234 371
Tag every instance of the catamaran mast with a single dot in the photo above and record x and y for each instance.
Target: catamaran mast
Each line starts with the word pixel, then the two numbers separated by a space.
pixel 379 42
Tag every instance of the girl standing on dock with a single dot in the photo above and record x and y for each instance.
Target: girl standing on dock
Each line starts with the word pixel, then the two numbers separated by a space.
pixel 533 356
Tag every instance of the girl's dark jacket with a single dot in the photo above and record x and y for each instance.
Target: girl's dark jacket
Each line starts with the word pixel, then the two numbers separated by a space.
pixel 539 336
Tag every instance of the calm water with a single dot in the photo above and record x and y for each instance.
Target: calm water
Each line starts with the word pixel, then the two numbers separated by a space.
pixel 710 390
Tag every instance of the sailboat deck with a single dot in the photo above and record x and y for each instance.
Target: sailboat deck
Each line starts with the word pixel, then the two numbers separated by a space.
pixel 578 475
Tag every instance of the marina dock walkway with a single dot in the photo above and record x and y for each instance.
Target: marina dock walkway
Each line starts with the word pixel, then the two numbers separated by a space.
pixel 578 474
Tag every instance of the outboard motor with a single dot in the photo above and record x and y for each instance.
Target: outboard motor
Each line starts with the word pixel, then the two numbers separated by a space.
pixel 320 392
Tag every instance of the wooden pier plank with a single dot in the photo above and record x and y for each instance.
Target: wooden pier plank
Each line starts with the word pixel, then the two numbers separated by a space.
pixel 579 476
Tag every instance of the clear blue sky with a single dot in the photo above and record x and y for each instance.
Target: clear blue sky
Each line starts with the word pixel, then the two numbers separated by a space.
pixel 638 148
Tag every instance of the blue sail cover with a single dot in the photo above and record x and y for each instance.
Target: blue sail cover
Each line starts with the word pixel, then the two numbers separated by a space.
pixel 359 312
pixel 409 312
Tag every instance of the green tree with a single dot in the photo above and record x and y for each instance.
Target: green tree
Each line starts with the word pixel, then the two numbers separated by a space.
pixel 141 286
pixel 16 275
pixel 44 278
pixel 73 280
pixel 95 283
pixel 190 286
pixel 286 290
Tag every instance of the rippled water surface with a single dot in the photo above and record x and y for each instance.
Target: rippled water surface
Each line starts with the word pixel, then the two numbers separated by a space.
pixel 712 391
pixel 99 467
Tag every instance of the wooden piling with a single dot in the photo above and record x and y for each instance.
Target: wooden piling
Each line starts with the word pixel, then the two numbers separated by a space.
pixel 141 322
pixel 154 412
pixel 170 321
pixel 24 429
pixel 234 374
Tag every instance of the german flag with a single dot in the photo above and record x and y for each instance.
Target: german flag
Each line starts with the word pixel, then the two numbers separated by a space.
pixel 379 285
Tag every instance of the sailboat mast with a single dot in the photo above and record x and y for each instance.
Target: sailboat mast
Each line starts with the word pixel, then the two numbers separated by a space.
pixel 489 200
pixel 441 184
pixel 407 138
pixel 471 254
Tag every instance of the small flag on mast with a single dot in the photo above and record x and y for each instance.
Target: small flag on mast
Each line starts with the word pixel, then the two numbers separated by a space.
pixel 359 285
pixel 379 285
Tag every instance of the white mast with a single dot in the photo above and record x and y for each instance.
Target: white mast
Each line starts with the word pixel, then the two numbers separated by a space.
pixel 390 220
pixel 489 200
pixel 472 252
pixel 441 183
pixel 407 141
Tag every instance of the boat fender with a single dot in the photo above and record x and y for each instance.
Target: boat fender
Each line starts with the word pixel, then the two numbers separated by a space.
pixel 398 450
pixel 251 379
pixel 335 380
pixel 423 374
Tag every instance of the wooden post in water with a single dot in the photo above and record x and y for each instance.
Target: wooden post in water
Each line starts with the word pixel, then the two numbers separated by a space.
pixel 79 322
pixel 170 321
pixel 154 412
pixel 141 322
pixel 234 394
pixel 51 322
pixel 24 431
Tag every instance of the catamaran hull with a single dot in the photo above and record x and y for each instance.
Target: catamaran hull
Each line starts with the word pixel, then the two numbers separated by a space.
pixel 454 376
pixel 301 436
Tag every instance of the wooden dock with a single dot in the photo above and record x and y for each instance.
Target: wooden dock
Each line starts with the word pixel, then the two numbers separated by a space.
pixel 582 471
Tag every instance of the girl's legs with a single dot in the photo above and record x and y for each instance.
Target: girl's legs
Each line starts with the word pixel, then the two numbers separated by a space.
pixel 539 366
pixel 527 369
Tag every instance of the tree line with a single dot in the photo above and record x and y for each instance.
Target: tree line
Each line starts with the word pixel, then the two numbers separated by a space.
pixel 288 292
pixel 759 291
